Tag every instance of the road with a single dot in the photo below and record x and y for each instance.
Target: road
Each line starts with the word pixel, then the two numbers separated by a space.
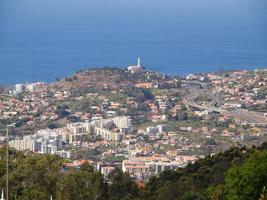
pixel 197 89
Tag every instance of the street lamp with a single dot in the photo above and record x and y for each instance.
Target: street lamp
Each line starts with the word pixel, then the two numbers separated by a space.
pixel 7 155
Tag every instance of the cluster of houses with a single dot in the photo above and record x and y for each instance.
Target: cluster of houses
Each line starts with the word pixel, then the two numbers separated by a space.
pixel 139 159
pixel 145 150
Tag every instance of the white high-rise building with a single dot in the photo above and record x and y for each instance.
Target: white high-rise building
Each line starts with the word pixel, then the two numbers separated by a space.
pixel 26 143
pixel 122 122
pixel 20 88
pixel 46 142
pixel 80 128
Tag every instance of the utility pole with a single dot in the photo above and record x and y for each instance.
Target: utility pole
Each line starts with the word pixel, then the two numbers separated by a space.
pixel 7 155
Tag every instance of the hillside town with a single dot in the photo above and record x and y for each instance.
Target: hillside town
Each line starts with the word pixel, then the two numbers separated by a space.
pixel 137 120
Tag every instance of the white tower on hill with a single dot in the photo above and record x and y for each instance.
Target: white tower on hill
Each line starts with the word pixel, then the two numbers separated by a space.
pixel 139 62
pixel 135 68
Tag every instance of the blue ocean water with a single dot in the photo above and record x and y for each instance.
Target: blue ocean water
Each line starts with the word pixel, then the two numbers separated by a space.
pixel 41 40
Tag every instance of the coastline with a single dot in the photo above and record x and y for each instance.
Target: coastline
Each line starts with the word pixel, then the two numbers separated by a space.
pixel 51 77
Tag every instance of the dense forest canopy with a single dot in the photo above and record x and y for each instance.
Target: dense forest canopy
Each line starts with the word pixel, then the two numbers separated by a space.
pixel 237 174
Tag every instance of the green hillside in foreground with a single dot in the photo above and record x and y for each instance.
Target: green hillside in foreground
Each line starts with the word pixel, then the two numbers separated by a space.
pixel 237 174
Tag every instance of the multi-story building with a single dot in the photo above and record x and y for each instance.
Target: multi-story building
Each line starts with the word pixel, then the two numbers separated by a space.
pixel 44 142
pixel 108 134
pixel 136 169
pixel 28 87
pixel 23 144
pixel 20 88
pixel 80 128
pixel 122 122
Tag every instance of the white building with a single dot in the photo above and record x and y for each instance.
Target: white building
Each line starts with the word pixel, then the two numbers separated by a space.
pixel 44 142
pixel 28 87
pixel 135 68
pixel 108 134
pixel 20 88
pixel 122 122
pixel 23 144
pixel 80 128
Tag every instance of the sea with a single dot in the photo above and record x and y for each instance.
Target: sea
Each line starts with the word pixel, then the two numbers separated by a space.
pixel 42 40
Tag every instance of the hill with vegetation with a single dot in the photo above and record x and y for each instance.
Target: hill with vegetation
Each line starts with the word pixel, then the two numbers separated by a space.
pixel 103 78
pixel 97 78
pixel 237 174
